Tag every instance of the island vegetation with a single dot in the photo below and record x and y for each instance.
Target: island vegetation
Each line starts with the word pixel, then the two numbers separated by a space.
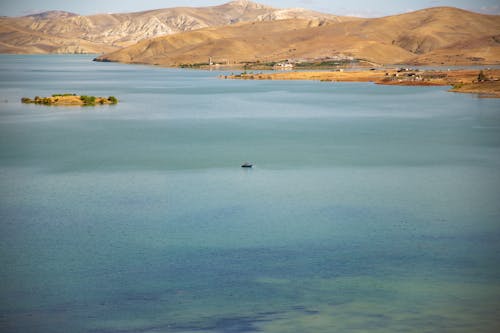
pixel 69 99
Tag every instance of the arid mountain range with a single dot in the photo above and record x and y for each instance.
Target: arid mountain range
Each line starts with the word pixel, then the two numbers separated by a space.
pixel 432 36
pixel 63 32
pixel 245 32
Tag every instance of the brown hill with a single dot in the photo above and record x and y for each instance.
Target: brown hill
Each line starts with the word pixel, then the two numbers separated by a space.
pixel 15 39
pixel 429 36
pixel 480 50
pixel 62 32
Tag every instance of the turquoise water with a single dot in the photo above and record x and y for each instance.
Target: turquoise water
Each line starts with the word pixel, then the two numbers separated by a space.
pixel 370 208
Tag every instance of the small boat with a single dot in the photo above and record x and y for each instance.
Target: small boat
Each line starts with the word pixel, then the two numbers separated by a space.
pixel 247 165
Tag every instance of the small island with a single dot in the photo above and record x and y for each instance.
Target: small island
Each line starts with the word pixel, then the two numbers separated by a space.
pixel 70 100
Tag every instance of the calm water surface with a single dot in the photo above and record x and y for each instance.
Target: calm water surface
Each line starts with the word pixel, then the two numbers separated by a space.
pixel 370 208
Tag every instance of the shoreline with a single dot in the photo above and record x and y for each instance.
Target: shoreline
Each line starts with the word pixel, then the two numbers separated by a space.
pixel 462 81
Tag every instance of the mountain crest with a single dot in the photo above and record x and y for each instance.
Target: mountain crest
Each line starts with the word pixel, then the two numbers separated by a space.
pixel 240 2
pixel 52 14
pixel 246 4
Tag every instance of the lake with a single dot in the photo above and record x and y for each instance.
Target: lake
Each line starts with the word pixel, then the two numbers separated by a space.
pixel 369 208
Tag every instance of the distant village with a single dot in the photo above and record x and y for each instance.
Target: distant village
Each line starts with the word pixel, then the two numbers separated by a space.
pixel 337 61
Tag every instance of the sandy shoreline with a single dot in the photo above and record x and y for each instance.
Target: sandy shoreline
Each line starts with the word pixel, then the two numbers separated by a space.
pixel 464 81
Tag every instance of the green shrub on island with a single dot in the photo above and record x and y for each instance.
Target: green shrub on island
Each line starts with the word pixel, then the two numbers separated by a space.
pixel 88 100
pixel 63 95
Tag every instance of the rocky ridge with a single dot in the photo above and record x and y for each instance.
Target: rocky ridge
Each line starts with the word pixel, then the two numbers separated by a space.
pixel 62 32
pixel 437 36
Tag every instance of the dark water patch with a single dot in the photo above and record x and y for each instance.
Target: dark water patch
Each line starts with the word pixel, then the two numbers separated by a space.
pixel 270 313
pixel 141 297
pixel 237 324
pixel 304 310
pixel 370 321
pixel 437 323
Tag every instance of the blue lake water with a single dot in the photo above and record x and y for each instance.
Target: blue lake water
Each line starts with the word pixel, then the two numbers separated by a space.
pixel 369 208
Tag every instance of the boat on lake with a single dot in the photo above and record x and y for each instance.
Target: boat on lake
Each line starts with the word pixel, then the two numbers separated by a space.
pixel 247 165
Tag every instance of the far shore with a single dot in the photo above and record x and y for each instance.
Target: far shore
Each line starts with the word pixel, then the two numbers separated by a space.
pixel 486 83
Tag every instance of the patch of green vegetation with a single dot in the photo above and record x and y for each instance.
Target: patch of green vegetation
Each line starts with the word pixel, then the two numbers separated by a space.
pixel 269 64
pixel 258 65
pixel 327 63
pixel 63 95
pixel 88 100
pixel 195 65
pixel 113 100
pixel 37 100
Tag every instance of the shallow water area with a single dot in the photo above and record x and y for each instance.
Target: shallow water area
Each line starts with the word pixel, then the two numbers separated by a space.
pixel 369 208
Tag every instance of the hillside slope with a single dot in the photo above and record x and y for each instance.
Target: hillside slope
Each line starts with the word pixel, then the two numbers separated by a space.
pixel 440 35
pixel 62 32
